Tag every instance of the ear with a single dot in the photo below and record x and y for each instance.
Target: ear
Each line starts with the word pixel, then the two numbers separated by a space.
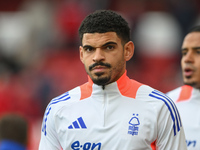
pixel 81 53
pixel 128 50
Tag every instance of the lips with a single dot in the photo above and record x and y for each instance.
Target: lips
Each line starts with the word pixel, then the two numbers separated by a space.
pixel 99 68
pixel 188 72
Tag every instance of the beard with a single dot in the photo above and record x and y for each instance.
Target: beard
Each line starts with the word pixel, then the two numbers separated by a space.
pixel 101 80
pixel 193 84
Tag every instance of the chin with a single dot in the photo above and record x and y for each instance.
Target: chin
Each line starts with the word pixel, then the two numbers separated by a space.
pixel 101 80
pixel 192 83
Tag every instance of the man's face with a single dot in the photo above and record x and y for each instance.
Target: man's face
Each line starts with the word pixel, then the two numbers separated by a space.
pixel 190 61
pixel 103 57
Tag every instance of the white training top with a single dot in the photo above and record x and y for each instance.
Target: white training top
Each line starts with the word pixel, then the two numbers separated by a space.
pixel 125 115
pixel 187 100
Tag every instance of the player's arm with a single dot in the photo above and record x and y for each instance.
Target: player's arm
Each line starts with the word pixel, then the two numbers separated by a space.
pixel 49 139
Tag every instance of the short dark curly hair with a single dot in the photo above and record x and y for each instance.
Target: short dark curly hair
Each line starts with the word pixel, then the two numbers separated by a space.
pixel 102 21
pixel 195 29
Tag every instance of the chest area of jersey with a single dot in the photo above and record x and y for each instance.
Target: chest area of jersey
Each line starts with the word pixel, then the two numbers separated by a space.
pixel 190 115
pixel 104 125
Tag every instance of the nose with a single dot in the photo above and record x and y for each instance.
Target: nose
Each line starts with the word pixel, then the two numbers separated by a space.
pixel 98 55
pixel 188 58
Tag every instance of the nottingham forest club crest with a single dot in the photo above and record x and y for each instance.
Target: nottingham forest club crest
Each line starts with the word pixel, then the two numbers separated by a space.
pixel 134 124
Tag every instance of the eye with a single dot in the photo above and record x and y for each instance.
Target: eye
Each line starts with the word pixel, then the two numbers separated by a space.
pixel 184 52
pixel 88 48
pixel 198 51
pixel 110 47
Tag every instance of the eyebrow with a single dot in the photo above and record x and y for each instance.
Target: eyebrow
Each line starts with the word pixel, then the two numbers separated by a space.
pixel 108 43
pixel 194 48
pixel 182 49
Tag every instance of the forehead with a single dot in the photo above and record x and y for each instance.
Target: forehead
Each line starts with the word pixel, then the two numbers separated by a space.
pixel 192 40
pixel 98 39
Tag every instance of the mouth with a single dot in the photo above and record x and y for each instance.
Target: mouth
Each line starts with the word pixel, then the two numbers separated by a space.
pixel 99 68
pixel 188 72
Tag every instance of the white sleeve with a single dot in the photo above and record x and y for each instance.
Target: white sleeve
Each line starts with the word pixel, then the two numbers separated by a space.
pixel 171 135
pixel 49 139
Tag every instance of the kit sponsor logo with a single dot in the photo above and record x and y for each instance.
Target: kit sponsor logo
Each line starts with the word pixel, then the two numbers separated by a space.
pixel 86 146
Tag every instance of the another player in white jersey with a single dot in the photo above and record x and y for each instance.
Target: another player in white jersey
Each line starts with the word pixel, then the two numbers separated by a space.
pixel 187 97
pixel 110 111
